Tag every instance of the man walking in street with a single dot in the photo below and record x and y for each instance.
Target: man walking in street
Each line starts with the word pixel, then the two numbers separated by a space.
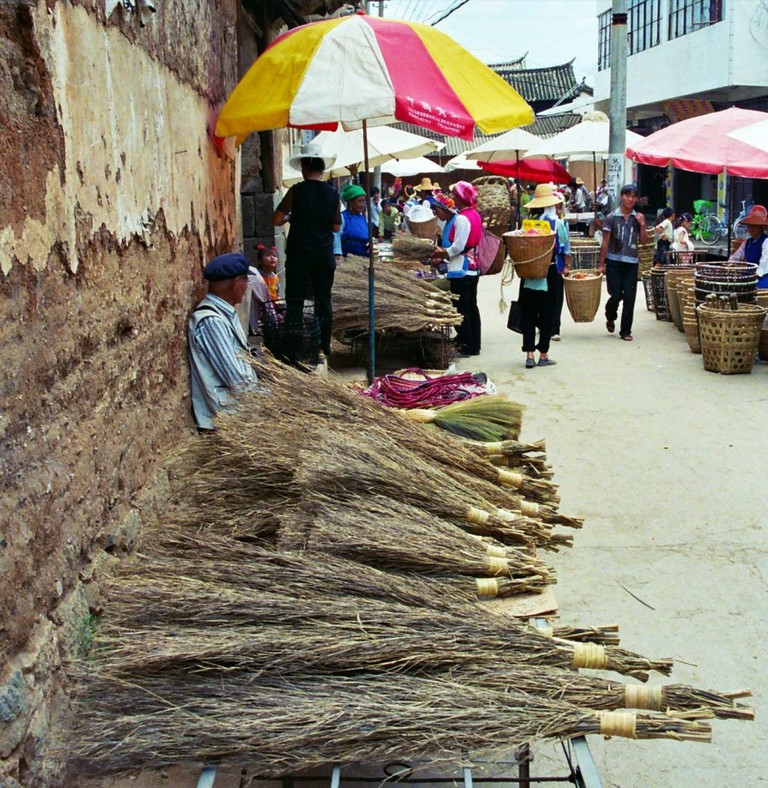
pixel 619 259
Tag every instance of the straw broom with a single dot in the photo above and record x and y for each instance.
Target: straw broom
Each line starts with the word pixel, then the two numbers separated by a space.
pixel 405 537
pixel 289 726
pixel 357 464
pixel 594 692
pixel 334 635
pixel 489 418
pixel 402 303
pixel 212 557
pixel 409 247
pixel 608 634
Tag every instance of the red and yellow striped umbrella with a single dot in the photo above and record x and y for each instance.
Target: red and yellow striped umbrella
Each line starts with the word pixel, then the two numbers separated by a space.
pixel 362 68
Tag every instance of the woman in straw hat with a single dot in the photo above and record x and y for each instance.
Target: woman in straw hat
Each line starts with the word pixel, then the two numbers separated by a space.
pixel 541 300
pixel 460 236
pixel 426 188
pixel 312 208
pixel 755 248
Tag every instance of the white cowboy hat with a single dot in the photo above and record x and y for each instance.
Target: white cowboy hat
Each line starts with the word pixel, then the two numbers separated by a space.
pixel 310 151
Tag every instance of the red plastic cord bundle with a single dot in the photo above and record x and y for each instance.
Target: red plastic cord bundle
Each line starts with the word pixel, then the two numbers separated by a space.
pixel 397 391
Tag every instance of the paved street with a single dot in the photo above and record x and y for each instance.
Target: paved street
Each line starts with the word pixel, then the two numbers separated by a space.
pixel 666 463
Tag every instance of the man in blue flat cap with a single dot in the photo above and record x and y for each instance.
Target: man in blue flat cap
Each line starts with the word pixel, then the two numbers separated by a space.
pixel 217 341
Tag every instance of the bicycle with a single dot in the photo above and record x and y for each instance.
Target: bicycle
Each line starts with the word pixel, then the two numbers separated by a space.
pixel 739 230
pixel 706 227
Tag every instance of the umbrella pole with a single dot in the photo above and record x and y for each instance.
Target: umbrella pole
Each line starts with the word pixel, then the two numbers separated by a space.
pixel 519 218
pixel 729 186
pixel 594 181
pixel 371 271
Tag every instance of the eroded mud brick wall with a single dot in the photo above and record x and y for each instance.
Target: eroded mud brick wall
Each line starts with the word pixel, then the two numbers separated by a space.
pixel 111 198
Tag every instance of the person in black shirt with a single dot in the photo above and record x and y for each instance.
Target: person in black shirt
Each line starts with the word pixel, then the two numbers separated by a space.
pixel 312 208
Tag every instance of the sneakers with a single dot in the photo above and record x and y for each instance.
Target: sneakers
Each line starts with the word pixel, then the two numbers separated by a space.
pixel 546 362
pixel 555 337
pixel 530 363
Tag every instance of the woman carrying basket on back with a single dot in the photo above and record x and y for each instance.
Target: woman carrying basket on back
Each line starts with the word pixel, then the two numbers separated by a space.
pixel 541 300
pixel 460 236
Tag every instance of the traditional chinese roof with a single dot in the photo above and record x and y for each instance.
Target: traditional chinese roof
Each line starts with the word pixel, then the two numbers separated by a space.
pixel 540 86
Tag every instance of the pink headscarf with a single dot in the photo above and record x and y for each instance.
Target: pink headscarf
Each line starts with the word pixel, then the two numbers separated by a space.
pixel 466 192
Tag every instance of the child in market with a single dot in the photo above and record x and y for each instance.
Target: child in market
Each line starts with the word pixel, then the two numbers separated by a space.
pixel 264 284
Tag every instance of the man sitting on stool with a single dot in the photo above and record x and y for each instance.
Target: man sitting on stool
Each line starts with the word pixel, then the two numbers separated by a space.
pixel 217 341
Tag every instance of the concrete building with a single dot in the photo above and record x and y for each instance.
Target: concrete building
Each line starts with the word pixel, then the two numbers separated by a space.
pixel 685 58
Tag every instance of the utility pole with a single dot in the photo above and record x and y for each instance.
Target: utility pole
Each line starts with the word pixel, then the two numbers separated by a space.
pixel 617 107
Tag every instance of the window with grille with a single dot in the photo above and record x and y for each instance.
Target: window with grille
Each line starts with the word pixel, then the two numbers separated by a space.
pixel 643 25
pixel 687 16
pixel 604 41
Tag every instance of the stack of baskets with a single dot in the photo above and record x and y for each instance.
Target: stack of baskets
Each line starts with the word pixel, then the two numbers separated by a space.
pixel 729 337
pixel 582 294
pixel 531 254
pixel 673 279
pixel 726 278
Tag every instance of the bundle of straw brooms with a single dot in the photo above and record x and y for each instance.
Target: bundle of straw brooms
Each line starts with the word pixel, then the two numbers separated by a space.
pixel 311 598
pixel 403 302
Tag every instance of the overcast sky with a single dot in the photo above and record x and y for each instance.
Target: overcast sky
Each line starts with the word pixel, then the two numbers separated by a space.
pixel 551 32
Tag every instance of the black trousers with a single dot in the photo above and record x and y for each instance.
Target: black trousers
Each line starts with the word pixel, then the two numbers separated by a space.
pixel 536 312
pixel 468 333
pixel 316 268
pixel 555 287
pixel 622 287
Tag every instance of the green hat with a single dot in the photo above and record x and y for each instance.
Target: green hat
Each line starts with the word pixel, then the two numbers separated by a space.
pixel 350 191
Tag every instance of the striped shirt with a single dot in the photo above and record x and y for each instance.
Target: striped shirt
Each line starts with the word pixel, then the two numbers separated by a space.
pixel 223 348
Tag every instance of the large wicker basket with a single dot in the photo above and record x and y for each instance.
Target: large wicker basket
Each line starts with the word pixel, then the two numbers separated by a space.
pixel 648 290
pixel 730 337
pixel 582 294
pixel 531 254
pixel 660 305
pixel 498 262
pixel 425 229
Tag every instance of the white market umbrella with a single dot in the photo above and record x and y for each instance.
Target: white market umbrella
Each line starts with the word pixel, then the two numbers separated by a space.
pixel 756 135
pixel 404 168
pixel 585 140
pixel 384 144
pixel 506 147
pixel 461 162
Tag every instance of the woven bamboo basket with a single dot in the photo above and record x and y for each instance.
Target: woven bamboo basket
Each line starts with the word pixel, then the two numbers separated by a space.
pixel 726 278
pixel 729 337
pixel 588 243
pixel 582 295
pixel 493 200
pixel 673 278
pixel 531 254
pixel 762 347
pixel 645 254
pixel 498 262
pixel 648 290
pixel 584 257
pixel 691 329
pixel 660 305
pixel 425 229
